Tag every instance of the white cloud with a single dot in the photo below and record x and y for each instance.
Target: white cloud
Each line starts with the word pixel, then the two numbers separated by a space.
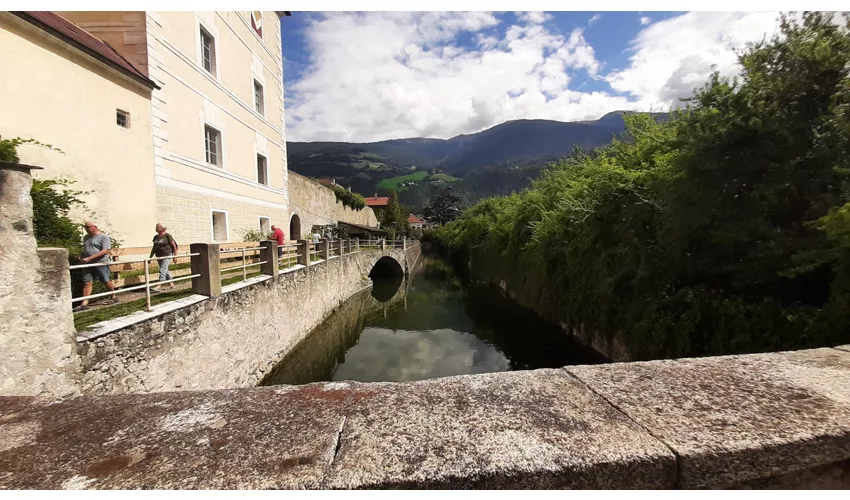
pixel 593 19
pixel 376 76
pixel 645 20
pixel 534 17
pixel 674 56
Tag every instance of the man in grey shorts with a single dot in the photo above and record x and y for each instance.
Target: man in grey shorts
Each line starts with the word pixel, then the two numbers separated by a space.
pixel 96 247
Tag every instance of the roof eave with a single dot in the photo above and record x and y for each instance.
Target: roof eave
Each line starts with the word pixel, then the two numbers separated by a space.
pixel 92 53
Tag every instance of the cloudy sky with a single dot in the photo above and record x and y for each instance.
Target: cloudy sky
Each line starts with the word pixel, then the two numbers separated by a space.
pixel 372 76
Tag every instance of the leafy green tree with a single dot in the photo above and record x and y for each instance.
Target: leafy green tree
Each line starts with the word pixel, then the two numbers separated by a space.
pixel 52 200
pixel 445 207
pixel 722 230
pixel 391 218
pixel 402 225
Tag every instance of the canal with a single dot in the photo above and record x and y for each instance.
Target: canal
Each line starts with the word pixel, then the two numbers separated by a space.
pixel 431 324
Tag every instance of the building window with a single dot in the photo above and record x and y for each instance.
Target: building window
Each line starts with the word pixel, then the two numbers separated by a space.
pixel 219 225
pixel 212 145
pixel 122 118
pixel 262 170
pixel 265 225
pixel 258 98
pixel 208 51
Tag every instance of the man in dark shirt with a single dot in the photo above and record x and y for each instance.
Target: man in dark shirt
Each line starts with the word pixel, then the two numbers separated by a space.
pixel 277 235
pixel 163 246
pixel 96 247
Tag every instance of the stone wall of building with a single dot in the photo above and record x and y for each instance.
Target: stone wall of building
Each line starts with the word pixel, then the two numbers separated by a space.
pixel 111 164
pixel 36 326
pixel 240 335
pixel 316 205
pixel 188 215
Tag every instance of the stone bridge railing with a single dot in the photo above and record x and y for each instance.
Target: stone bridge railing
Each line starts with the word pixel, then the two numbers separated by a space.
pixel 779 420
pixel 206 258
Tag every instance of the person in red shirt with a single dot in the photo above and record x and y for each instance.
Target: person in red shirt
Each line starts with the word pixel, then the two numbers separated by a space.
pixel 277 235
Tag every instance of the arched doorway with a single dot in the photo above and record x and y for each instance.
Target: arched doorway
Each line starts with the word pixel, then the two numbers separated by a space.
pixel 295 227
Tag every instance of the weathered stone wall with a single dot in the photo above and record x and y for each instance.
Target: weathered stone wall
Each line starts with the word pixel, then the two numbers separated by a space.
pixel 239 336
pixel 316 205
pixel 779 420
pixel 188 215
pixel 36 327
pixel 483 266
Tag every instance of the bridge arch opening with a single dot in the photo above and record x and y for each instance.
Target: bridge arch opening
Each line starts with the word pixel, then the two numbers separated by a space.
pixel 386 267
pixel 387 276
pixel 295 227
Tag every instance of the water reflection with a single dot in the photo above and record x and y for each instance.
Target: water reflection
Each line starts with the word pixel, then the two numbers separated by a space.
pixel 384 289
pixel 418 355
pixel 432 324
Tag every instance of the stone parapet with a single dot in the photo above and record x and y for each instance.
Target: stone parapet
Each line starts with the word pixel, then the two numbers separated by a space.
pixel 750 421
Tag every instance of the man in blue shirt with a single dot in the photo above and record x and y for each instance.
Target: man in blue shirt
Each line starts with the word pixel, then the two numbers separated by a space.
pixel 96 247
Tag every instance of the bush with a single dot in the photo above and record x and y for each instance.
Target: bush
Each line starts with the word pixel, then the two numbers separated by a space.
pixel 722 230
pixel 9 148
pixel 254 235
pixel 349 199
pixel 52 200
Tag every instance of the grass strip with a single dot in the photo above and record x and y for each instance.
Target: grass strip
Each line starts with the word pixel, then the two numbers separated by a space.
pixel 85 319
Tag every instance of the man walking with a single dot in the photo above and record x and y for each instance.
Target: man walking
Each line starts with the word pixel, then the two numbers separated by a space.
pixel 163 246
pixel 277 235
pixel 96 247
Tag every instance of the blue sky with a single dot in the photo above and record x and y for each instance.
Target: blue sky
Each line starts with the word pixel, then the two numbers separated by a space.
pixel 373 76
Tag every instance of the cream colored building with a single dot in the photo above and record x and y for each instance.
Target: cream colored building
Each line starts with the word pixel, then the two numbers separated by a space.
pixel 216 120
pixel 63 87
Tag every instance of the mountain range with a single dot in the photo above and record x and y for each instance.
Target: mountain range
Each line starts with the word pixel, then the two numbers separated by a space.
pixel 491 162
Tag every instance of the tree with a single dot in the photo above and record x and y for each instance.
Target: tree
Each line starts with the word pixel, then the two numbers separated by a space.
pixel 723 230
pixel 392 217
pixel 444 207
pixel 403 225
pixel 52 200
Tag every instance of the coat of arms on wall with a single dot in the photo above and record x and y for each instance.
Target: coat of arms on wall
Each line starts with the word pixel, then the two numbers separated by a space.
pixel 257 22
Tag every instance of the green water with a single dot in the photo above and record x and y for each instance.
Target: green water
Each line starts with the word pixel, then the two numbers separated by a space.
pixel 432 324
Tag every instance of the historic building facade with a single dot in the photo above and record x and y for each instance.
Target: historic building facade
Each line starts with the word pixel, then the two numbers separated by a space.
pixel 217 116
pixel 64 87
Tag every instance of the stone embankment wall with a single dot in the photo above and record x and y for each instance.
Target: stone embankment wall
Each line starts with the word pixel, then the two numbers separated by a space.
pixel 779 420
pixel 612 348
pixel 316 205
pixel 228 341
pixel 320 353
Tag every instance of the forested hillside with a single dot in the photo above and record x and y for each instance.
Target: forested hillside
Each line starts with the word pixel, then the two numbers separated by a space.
pixel 498 160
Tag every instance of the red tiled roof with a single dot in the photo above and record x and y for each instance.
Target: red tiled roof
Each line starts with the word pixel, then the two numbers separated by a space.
pixel 379 201
pixel 72 34
pixel 414 219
